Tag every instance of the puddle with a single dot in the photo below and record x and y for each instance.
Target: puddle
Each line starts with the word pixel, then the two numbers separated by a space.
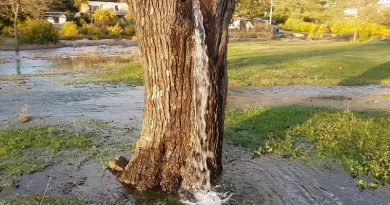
pixel 31 61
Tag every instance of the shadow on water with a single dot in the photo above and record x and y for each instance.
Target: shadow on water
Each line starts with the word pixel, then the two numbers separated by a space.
pixel 372 76
pixel 131 196
pixel 18 72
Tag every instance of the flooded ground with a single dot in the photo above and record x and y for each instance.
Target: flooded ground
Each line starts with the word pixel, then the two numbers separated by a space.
pixel 114 114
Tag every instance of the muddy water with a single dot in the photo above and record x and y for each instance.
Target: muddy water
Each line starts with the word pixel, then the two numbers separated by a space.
pixel 31 61
pixel 264 180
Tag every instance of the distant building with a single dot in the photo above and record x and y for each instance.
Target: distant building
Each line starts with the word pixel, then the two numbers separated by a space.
pixel 385 3
pixel 121 9
pixel 350 11
pixel 55 18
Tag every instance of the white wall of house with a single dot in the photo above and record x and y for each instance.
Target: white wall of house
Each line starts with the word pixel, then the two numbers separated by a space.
pixel 119 8
pixel 384 2
pixel 55 18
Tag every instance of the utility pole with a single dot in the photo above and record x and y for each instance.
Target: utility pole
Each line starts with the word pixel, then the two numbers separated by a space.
pixel 270 12
pixel 356 21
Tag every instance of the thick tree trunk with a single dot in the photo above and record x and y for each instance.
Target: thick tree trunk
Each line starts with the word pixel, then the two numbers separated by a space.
pixel 184 46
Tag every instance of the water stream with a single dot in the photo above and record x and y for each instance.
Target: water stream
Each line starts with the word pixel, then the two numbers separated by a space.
pixel 202 190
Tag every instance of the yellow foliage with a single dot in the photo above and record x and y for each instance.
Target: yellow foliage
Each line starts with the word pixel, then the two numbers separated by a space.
pixel 69 30
pixel 104 17
pixel 115 31
pixel 316 31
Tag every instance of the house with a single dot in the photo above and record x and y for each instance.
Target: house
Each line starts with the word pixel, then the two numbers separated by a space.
pixel 121 9
pixel 350 11
pixel 384 3
pixel 55 18
pixel 239 24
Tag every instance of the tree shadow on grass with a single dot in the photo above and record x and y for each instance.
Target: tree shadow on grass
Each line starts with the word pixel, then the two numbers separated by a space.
pixel 251 128
pixel 371 77
pixel 242 61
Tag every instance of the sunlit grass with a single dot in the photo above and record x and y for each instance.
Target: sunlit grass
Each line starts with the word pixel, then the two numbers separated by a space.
pixel 308 63
pixel 280 63
pixel 360 141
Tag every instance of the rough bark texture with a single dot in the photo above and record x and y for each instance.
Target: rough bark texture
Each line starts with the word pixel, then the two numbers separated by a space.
pixel 169 152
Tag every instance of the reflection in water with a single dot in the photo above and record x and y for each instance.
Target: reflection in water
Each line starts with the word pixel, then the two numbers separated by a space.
pixel 18 65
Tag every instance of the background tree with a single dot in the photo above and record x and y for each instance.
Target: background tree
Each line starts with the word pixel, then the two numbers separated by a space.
pixel 16 8
pixel 307 10
pixel 251 8
pixel 184 46
pixel 79 3
pixel 104 17
pixel 63 6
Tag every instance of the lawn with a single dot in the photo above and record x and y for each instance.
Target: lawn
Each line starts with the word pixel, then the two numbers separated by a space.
pixel 271 63
pixel 359 141
pixel 309 63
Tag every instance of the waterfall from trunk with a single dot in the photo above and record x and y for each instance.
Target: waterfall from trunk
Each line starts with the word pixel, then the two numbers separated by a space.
pixel 201 191
pixel 200 98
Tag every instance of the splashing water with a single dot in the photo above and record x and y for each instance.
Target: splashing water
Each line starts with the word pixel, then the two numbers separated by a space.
pixel 208 198
pixel 201 193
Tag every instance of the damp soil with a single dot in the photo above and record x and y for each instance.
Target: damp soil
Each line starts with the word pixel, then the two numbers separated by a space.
pixel 114 114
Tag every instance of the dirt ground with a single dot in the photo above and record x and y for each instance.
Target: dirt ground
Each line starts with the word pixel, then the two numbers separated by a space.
pixel 116 115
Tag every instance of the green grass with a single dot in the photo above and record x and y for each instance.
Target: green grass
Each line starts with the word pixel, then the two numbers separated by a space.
pixel 271 63
pixel 29 150
pixel 359 141
pixel 130 74
pixel 308 63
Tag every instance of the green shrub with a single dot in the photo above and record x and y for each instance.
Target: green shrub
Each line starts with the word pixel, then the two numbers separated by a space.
pixel 129 31
pixel 69 30
pixel 8 31
pixel 37 32
pixel 115 31
pixel 92 31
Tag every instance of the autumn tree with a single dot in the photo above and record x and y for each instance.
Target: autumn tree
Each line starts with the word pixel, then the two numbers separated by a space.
pixel 251 8
pixel 307 10
pixel 27 7
pixel 184 46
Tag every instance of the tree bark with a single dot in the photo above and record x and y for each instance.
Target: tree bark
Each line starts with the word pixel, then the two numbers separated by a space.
pixel 16 9
pixel 184 47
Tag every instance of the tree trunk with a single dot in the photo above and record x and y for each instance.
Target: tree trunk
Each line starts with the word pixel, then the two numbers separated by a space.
pixel 16 10
pixel 184 46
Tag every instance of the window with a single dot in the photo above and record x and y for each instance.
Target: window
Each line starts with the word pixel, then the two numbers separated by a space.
pixel 116 8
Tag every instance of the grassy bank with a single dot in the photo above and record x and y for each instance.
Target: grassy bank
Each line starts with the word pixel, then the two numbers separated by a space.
pixel 130 74
pixel 272 63
pixel 309 63
pixel 29 150
pixel 359 141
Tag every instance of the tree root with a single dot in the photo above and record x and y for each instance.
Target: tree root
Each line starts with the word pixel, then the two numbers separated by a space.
pixel 117 165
